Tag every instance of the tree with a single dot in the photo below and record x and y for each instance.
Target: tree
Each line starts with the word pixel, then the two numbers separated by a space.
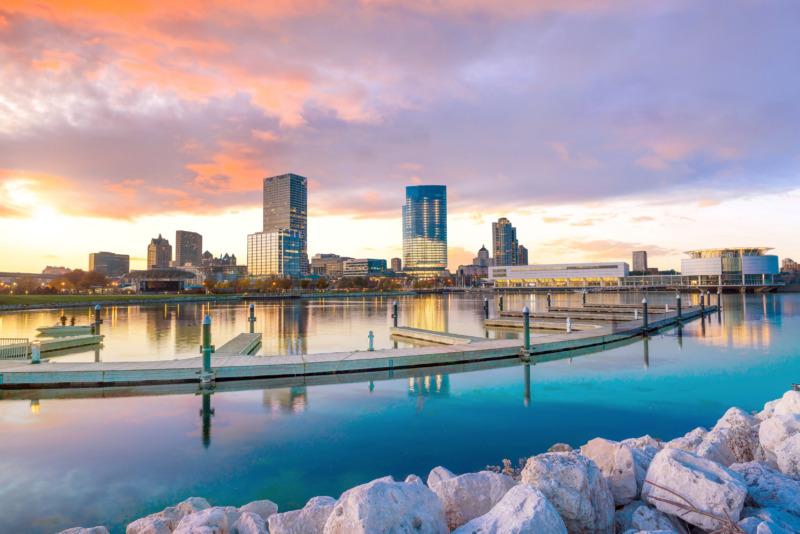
pixel 323 283
pixel 210 284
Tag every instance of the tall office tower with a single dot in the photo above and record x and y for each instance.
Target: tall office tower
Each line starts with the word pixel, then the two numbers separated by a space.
pixel 286 208
pixel 274 253
pixel 109 264
pixel 504 242
pixel 159 253
pixel 522 255
pixel 188 248
pixel 640 260
pixel 397 265
pixel 425 230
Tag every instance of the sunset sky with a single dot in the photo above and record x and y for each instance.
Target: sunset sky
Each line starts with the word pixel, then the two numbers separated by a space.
pixel 597 126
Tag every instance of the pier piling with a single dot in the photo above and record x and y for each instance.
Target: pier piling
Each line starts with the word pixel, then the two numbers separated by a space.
pixel 678 305
pixel 485 308
pixel 583 297
pixel 644 316
pixel 702 304
pixel 501 303
pixel 394 314
pixel 206 376
pixel 569 325
pixel 36 351
pixel 252 318
pixel 371 337
pixel 549 300
pixel 97 320
pixel 526 319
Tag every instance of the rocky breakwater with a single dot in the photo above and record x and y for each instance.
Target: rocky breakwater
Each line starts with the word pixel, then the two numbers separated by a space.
pixel 740 477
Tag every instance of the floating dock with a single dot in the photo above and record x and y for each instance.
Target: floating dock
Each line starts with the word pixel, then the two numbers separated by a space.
pixel 241 345
pixel 431 336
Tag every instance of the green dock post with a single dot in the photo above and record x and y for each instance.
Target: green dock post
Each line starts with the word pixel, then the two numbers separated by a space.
pixel 371 337
pixel 501 302
pixel 252 318
pixel 549 300
pixel 36 351
pixel 97 320
pixel 678 305
pixel 206 349
pixel 526 319
pixel 394 314
pixel 702 304
pixel 644 316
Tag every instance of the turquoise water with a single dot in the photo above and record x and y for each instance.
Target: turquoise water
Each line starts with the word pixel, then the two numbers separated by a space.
pixel 87 461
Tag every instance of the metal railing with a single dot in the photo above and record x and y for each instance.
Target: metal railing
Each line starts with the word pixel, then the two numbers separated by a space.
pixel 14 348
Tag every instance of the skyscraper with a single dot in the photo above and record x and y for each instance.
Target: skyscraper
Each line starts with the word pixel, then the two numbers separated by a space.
pixel 188 248
pixel 425 230
pixel 109 264
pixel 286 208
pixel 504 242
pixel 640 260
pixel 274 253
pixel 159 253
pixel 522 255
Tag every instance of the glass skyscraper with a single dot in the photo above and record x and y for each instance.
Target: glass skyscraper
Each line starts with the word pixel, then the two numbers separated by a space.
pixel 504 242
pixel 425 230
pixel 274 253
pixel 286 208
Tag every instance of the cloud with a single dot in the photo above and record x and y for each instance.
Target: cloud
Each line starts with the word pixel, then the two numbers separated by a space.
pixel 599 249
pixel 459 256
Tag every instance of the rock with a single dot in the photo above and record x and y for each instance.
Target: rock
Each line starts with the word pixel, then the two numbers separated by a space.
pixel 216 520
pixel 308 520
pixel 438 474
pixel 468 496
pixel 413 479
pixel 789 404
pixel 384 505
pixel 168 517
pixel 768 488
pixel 708 486
pixel 85 530
pixel 774 518
pixel 263 508
pixel 560 447
pixel 638 516
pixel 754 525
pixel 787 455
pixel 768 411
pixel 522 510
pixel 689 442
pixel 644 442
pixel 617 464
pixel 634 531
pixel 775 430
pixel 250 523
pixel 733 439
pixel 576 488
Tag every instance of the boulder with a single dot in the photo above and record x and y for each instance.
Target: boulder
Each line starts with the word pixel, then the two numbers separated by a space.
pixel 250 523
pixel 708 486
pixel 733 439
pixel 308 520
pixel 522 510
pixel 560 447
pixel 618 466
pixel 768 411
pixel 167 518
pixel 85 530
pixel 775 518
pixel 263 508
pixel 768 488
pixel 789 404
pixel 215 520
pixel 413 479
pixel 787 455
pixel 576 488
pixel 774 431
pixel 688 442
pixel 638 516
pixel 634 531
pixel 438 474
pixel 468 496
pixel 384 505
pixel 754 525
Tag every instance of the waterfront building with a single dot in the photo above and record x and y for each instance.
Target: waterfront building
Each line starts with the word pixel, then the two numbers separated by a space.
pixel 471 275
pixel 522 255
pixel 425 231
pixel 158 280
pixel 364 267
pixel 397 265
pixel 482 259
pixel 159 253
pixel 188 248
pixel 640 261
pixel 331 265
pixel 110 264
pixel 274 253
pixel 790 266
pixel 555 275
pixel 504 242
pixel 730 266
pixel 56 271
pixel 286 208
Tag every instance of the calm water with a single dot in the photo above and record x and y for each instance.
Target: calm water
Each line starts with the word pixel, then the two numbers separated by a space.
pixel 87 461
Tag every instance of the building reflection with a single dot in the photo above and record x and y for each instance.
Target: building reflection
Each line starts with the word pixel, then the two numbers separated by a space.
pixel 285 327
pixel 286 400
pixel 428 312
pixel 743 322
pixel 423 387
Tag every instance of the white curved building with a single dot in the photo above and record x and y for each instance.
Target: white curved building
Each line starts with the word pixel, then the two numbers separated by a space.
pixel 743 266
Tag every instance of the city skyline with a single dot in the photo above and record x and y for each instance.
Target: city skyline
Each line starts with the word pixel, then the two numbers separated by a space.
pixel 598 128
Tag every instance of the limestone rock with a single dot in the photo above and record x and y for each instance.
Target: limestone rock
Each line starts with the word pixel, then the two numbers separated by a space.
pixel 413 479
pixel 690 441
pixel 384 505
pixel 768 411
pixel 643 442
pixel 789 404
pixel 733 439
pixel 468 496
pixel 560 447
pixel 438 474
pixel 522 510
pixel 308 520
pixel 216 520
pixel 787 455
pixel 250 523
pixel 638 516
pixel 576 488
pixel 85 530
pixel 768 488
pixel 710 487
pixel 774 431
pixel 167 518
pixel 774 518
pixel 617 465
pixel 263 508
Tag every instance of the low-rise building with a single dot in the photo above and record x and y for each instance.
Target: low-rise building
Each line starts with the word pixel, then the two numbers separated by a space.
pixel 730 266
pixel 331 265
pixel 790 266
pixel 556 275
pixel 364 267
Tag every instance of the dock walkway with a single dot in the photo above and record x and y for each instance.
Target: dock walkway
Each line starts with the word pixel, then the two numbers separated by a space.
pixel 243 344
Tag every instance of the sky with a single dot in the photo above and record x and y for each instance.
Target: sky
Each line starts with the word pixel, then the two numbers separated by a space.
pixel 596 126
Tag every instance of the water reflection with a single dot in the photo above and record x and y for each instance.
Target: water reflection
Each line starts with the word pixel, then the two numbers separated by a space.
pixel 206 412
pixel 291 400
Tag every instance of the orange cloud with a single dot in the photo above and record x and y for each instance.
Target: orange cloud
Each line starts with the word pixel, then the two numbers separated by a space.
pixel 236 168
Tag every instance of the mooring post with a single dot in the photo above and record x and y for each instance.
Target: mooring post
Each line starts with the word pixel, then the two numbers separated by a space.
pixel 394 314
pixel 644 315
pixel 569 325
pixel 97 319
pixel 549 297
pixel 501 302
pixel 719 298
pixel 371 337
pixel 526 320
pixel 36 351
pixel 678 305
pixel 583 297
pixel 485 308
pixel 702 304
pixel 636 314
pixel 252 318
pixel 206 349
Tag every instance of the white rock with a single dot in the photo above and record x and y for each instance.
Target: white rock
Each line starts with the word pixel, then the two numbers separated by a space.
pixel 789 404
pixel 617 464
pixel 263 508
pixel 638 516
pixel 689 442
pixel 575 487
pixel 768 411
pixel 775 430
pixel 733 439
pixel 468 496
pixel 710 487
pixel 85 530
pixel 787 455
pixel 768 488
pixel 522 510
pixel 438 474
pixel 168 517
pixel 560 447
pixel 250 523
pixel 216 520
pixel 384 505
pixel 308 520
pixel 643 442
pixel 413 479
